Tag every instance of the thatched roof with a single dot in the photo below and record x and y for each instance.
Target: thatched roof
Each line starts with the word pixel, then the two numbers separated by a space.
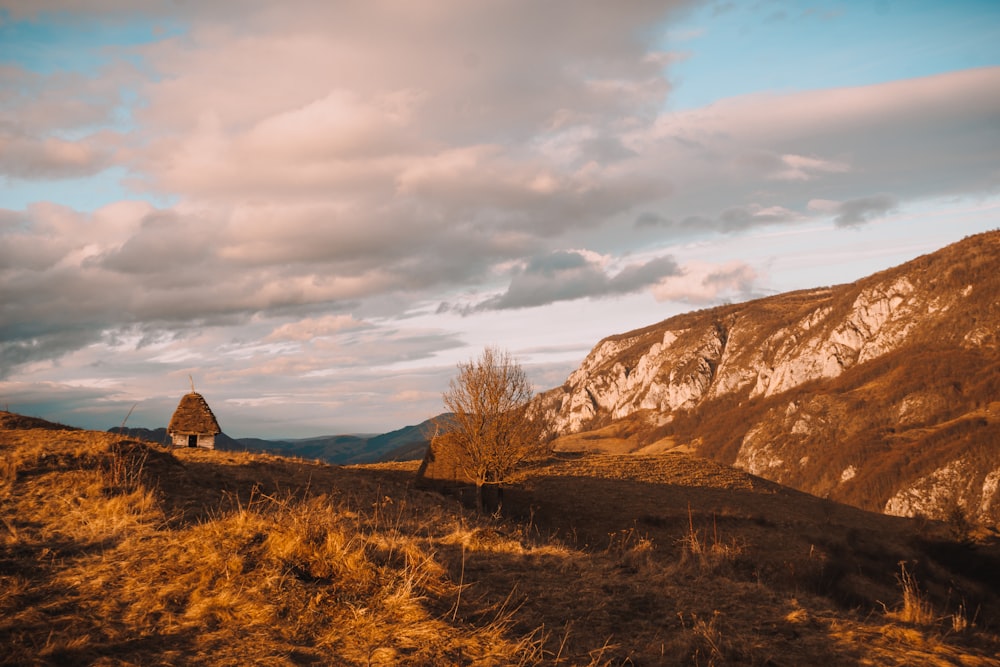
pixel 193 417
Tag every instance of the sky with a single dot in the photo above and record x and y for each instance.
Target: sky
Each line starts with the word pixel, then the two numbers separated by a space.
pixel 314 210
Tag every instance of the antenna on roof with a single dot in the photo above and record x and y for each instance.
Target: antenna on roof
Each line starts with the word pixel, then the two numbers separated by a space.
pixel 192 383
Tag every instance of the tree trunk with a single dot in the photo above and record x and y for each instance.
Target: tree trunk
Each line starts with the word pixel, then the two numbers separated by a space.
pixel 490 497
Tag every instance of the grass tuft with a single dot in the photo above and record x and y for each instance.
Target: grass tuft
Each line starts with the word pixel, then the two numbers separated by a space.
pixel 916 608
pixel 707 553
pixel 122 467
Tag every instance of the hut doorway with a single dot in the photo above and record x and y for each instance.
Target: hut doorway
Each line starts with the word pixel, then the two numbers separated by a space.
pixel 192 441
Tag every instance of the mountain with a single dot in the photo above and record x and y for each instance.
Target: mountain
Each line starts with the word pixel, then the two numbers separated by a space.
pixel 157 435
pixel 407 443
pixel 882 393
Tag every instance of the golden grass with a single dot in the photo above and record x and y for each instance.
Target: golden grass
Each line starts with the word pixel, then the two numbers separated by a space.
pixel 916 608
pixel 266 578
pixel 616 438
pixel 114 552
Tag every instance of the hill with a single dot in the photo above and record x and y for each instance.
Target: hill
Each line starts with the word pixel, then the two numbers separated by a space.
pixel 116 551
pixel 406 443
pixel 880 393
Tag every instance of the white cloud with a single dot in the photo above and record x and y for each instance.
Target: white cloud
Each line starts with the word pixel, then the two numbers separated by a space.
pixel 52 157
pixel 802 168
pixel 310 328
pixel 703 283
pixel 914 138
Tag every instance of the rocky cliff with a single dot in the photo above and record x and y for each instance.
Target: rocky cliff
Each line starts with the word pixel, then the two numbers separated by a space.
pixel 879 393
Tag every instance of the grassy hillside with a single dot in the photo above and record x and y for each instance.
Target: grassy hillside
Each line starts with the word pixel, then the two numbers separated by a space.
pixel 894 419
pixel 121 552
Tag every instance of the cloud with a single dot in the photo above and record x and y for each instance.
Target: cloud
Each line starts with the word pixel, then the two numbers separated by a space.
pixel 56 398
pixel 859 211
pixel 310 328
pixel 67 276
pixel 702 283
pixel 855 212
pixel 33 344
pixel 385 345
pixel 651 219
pixel 732 220
pixel 753 215
pixel 165 245
pixel 568 275
pixel 51 157
pixel 57 125
pixel 803 168
pixel 38 104
pixel 308 394
pixel 917 138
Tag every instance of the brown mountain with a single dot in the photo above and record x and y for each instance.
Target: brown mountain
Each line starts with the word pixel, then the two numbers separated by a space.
pixel 882 393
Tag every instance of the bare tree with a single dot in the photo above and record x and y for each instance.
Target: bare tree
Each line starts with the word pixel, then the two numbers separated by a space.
pixel 490 422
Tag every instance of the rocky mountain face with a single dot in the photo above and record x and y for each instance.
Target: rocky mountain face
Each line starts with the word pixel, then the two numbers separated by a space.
pixel 883 393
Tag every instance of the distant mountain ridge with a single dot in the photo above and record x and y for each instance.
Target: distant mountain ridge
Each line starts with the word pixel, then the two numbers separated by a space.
pixel 881 393
pixel 403 444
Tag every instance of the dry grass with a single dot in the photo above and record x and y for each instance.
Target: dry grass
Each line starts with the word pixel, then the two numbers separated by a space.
pixel 261 577
pixel 616 438
pixel 114 552
pixel 288 573
pixel 916 608
pixel 707 554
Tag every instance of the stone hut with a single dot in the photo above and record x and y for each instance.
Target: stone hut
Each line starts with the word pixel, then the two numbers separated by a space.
pixel 193 424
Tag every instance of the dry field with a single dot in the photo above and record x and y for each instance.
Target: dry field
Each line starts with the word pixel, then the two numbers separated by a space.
pixel 115 552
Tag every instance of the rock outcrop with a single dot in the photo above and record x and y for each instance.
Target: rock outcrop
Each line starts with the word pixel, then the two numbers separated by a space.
pixel 848 391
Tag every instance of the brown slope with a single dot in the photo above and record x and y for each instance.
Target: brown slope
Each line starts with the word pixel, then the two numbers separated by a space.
pixel 833 391
pixel 210 557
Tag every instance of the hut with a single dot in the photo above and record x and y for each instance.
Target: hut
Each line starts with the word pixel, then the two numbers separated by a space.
pixel 193 424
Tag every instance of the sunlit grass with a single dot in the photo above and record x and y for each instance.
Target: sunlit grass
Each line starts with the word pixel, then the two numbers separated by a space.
pixel 121 553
